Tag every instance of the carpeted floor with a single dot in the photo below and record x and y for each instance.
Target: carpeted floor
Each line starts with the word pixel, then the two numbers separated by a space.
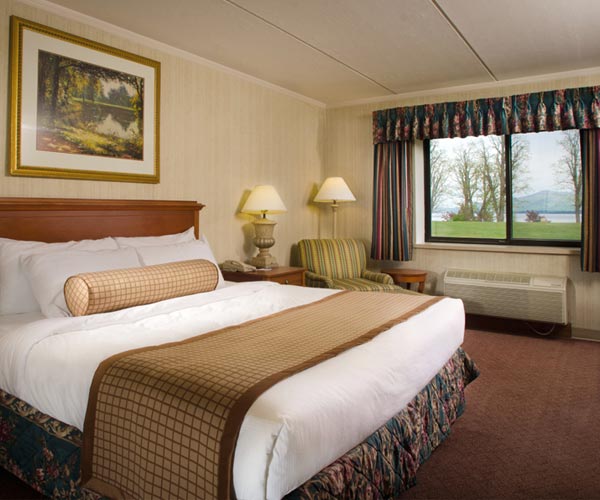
pixel 531 429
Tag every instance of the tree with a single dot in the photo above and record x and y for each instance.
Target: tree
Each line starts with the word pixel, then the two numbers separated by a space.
pixel 476 173
pixel 465 170
pixel 532 216
pixel 490 207
pixel 519 155
pixel 519 158
pixel 59 77
pixel 119 96
pixel 438 162
pixel 568 168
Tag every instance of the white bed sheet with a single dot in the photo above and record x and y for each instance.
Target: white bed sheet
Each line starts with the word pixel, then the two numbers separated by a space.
pixel 295 428
pixel 11 322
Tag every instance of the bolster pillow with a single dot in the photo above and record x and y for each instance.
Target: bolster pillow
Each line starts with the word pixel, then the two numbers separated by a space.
pixel 105 291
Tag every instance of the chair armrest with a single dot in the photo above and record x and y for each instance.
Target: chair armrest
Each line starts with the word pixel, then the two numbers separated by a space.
pixel 378 277
pixel 317 280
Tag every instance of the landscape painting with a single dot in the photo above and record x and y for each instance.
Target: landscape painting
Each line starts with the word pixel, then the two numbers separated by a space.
pixel 88 109
pixel 80 109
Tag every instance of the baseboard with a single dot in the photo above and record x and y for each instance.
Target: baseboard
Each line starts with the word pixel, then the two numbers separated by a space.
pixel 517 326
pixel 585 334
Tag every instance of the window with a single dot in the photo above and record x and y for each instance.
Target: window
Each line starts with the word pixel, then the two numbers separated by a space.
pixel 523 189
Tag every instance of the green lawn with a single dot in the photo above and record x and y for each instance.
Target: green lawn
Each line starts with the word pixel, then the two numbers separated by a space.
pixel 496 230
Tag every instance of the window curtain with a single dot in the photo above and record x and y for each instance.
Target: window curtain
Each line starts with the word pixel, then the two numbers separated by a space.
pixel 394 130
pixel 590 228
pixel 392 201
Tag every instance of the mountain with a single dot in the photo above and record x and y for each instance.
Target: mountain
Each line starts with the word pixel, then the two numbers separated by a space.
pixel 545 202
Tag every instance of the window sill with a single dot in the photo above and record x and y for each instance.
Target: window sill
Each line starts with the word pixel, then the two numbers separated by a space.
pixel 499 248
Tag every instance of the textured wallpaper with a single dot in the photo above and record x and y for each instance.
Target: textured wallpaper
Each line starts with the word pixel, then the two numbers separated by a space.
pixel 220 136
pixel 349 153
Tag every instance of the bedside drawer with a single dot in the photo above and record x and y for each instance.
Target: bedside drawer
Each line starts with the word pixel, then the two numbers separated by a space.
pixel 290 279
pixel 285 275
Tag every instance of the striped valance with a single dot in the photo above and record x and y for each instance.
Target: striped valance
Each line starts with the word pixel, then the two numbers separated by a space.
pixel 536 112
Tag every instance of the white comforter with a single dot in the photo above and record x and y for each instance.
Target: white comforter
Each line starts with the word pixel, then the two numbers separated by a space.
pixel 295 428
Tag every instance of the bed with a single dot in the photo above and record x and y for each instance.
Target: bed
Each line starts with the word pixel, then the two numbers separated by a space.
pixel 317 447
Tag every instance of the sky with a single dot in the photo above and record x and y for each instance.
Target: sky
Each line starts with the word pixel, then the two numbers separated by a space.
pixel 544 152
pixel 108 85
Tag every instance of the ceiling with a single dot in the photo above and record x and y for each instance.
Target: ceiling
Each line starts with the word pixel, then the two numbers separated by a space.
pixel 338 51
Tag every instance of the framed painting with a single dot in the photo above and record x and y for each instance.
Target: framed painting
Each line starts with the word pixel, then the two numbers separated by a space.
pixel 80 109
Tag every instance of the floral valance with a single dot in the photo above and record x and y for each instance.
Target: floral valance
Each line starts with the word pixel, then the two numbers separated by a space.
pixel 536 112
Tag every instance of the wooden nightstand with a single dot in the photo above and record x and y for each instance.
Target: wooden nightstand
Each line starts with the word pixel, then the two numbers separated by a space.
pixel 282 274
pixel 408 276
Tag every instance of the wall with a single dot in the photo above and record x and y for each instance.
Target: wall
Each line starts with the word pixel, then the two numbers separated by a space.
pixel 349 153
pixel 220 135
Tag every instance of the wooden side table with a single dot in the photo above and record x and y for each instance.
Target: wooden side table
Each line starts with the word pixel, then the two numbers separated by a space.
pixel 408 276
pixel 283 275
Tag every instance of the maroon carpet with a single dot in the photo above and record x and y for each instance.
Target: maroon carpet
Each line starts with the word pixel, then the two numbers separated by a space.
pixel 531 429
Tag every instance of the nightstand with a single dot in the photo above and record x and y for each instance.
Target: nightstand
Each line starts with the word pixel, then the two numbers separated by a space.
pixel 408 276
pixel 282 274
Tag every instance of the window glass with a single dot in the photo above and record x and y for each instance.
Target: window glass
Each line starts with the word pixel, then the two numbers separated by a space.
pixel 468 187
pixel 547 187
pixel 473 182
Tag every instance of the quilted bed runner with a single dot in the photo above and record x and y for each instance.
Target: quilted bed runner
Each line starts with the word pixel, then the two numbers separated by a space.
pixel 45 453
pixel 163 421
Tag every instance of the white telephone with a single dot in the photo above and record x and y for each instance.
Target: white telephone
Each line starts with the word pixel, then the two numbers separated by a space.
pixel 236 265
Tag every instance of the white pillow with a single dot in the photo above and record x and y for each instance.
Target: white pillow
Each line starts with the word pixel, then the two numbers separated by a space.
pixel 16 295
pixel 197 249
pixel 48 272
pixel 153 241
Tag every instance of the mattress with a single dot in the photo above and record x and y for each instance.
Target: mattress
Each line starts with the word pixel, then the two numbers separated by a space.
pixel 295 428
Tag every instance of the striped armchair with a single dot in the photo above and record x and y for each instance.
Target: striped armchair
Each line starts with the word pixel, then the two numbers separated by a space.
pixel 341 264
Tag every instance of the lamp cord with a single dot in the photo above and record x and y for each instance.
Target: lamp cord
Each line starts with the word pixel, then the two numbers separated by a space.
pixel 543 334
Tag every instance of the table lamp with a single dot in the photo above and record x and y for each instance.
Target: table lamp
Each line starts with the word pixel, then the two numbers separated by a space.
pixel 334 190
pixel 264 200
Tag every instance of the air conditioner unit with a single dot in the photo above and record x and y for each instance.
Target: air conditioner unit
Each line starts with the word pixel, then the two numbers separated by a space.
pixel 509 295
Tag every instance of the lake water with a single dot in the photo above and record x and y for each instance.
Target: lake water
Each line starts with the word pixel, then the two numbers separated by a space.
pixel 110 126
pixel 110 120
pixel 520 217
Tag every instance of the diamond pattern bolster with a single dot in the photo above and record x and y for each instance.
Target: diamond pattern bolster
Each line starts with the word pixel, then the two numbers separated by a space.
pixel 105 291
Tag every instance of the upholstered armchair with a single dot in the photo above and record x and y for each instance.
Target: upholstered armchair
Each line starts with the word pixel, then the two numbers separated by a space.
pixel 341 264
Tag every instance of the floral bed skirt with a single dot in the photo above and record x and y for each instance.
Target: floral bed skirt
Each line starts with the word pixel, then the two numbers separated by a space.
pixel 45 453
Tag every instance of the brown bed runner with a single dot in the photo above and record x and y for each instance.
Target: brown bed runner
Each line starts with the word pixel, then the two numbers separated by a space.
pixel 162 421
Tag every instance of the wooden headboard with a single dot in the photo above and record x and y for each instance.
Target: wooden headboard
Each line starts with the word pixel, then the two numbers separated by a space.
pixel 64 219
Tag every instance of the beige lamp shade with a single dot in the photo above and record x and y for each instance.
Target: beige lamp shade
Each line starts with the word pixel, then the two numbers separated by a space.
pixel 264 200
pixel 334 189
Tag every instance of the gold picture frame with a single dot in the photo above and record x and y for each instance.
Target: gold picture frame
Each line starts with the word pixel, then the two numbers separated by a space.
pixel 81 109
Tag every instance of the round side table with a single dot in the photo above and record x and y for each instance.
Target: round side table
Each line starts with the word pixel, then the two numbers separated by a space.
pixel 408 276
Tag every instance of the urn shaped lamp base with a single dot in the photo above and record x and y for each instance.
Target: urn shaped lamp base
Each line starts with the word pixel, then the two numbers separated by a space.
pixel 263 240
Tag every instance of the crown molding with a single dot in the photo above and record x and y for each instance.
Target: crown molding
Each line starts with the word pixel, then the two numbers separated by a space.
pixel 169 49
pixel 163 47
pixel 474 87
